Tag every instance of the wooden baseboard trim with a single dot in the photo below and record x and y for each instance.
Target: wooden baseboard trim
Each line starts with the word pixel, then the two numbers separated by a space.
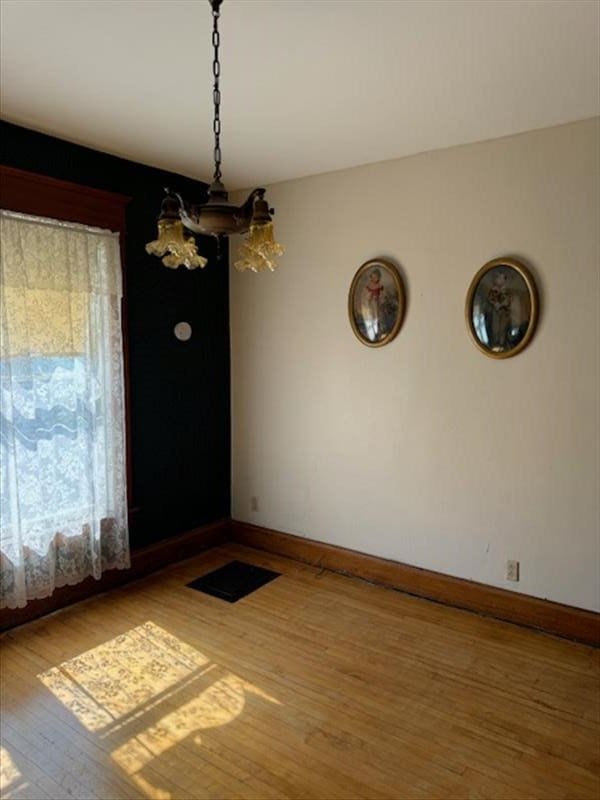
pixel 567 621
pixel 143 562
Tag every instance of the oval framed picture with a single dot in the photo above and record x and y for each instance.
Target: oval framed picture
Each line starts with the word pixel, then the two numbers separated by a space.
pixel 376 302
pixel 502 308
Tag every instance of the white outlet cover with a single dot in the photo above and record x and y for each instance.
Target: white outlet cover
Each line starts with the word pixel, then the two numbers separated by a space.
pixel 183 331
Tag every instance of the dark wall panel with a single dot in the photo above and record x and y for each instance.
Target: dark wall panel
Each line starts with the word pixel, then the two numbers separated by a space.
pixel 180 414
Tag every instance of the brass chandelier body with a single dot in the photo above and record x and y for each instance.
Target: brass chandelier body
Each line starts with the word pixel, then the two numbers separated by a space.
pixel 217 217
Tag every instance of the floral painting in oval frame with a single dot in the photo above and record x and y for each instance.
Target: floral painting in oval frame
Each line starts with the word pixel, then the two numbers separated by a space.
pixel 376 302
pixel 502 308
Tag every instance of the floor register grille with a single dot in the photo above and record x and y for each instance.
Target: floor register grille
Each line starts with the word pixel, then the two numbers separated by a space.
pixel 233 581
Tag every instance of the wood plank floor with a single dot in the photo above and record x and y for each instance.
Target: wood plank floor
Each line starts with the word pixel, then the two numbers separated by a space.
pixel 315 686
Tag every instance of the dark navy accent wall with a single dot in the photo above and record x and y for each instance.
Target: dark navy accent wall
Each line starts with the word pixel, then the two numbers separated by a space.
pixel 180 408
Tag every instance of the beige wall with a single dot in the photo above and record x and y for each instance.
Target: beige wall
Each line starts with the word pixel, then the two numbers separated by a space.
pixel 425 451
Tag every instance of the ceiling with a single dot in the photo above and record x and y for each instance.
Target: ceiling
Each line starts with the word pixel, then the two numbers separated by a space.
pixel 308 86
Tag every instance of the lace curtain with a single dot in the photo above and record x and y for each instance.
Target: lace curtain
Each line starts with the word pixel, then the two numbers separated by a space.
pixel 63 499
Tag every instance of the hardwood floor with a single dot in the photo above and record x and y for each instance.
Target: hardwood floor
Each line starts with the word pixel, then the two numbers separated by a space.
pixel 315 686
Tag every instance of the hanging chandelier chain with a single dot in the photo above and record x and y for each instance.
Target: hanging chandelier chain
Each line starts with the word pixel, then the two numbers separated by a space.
pixel 216 216
pixel 216 40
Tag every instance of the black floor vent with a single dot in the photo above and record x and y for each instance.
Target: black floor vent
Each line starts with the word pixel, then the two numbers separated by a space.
pixel 233 581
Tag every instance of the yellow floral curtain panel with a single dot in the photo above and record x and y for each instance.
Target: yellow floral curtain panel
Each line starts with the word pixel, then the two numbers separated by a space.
pixel 63 478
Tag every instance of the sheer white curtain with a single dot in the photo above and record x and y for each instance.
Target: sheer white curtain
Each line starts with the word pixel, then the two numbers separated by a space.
pixel 63 498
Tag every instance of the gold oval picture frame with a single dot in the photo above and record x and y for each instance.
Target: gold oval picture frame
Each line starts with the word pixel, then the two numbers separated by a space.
pixel 376 302
pixel 502 308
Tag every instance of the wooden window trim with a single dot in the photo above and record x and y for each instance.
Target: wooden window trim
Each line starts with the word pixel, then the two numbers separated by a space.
pixel 40 195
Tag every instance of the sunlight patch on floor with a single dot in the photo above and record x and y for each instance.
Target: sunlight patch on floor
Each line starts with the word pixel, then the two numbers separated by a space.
pixel 9 774
pixel 125 673
pixel 219 704
pixel 114 686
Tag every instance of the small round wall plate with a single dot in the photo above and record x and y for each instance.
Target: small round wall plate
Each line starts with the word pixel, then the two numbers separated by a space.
pixel 183 331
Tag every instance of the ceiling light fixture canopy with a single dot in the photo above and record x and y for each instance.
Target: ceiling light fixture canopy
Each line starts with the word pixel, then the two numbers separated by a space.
pixel 218 216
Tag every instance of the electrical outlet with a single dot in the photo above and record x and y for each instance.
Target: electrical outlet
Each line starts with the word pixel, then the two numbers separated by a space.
pixel 254 504
pixel 512 570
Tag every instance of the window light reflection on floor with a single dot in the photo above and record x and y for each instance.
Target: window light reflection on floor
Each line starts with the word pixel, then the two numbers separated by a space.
pixel 113 679
pixel 145 691
pixel 9 774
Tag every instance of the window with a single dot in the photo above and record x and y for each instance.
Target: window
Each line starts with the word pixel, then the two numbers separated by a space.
pixel 63 475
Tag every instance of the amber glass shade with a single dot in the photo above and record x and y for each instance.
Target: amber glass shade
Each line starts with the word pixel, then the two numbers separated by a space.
pixel 259 251
pixel 177 249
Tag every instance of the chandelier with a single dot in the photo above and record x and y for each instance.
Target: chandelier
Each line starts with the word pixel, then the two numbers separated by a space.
pixel 217 217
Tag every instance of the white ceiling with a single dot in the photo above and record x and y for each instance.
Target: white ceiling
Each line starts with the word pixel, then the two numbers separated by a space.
pixel 308 86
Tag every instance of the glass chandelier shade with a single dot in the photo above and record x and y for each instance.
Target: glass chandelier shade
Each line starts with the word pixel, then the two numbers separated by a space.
pixel 259 251
pixel 175 247
pixel 217 216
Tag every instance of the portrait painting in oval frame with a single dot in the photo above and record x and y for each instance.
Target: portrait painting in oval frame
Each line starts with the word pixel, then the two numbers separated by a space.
pixel 376 302
pixel 502 308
